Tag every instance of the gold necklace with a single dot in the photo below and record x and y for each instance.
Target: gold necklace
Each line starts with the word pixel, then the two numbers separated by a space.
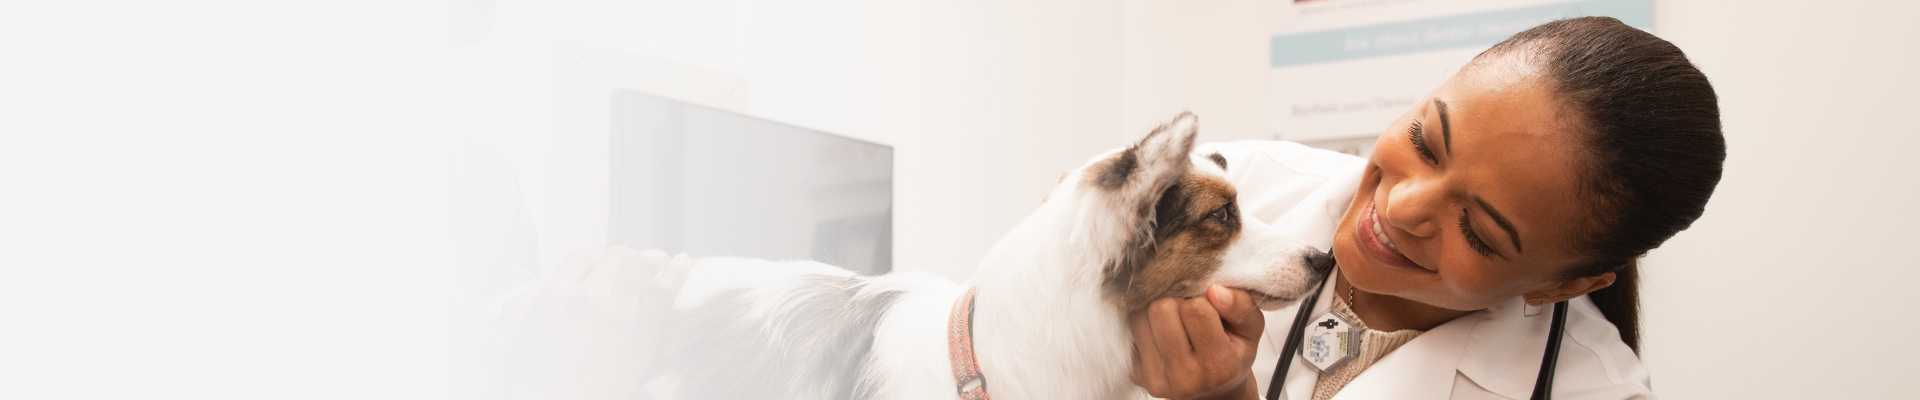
pixel 1350 302
pixel 1358 324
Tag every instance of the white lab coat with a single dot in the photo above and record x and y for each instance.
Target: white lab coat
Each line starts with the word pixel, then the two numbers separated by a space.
pixel 1489 354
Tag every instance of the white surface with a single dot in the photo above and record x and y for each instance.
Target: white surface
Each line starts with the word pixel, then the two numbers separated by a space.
pixel 587 329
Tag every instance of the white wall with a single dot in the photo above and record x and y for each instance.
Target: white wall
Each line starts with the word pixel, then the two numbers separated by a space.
pixel 1811 227
pixel 985 102
pixel 240 200
pixel 1208 57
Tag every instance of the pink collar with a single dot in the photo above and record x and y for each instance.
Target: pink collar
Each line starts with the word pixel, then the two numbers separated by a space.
pixel 966 370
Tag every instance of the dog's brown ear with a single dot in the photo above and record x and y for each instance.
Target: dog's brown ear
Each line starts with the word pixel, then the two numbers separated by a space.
pixel 1136 179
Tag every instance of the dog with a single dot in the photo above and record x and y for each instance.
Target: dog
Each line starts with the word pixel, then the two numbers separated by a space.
pixel 1046 318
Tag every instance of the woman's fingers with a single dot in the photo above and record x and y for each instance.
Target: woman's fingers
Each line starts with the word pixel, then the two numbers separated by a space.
pixel 1187 348
pixel 1188 373
pixel 1169 334
pixel 1239 316
pixel 1149 369
pixel 1166 355
pixel 1209 338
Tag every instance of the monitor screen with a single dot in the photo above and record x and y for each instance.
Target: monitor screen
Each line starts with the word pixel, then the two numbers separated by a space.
pixel 709 182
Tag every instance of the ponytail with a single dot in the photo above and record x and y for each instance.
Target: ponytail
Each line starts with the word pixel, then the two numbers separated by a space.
pixel 1620 303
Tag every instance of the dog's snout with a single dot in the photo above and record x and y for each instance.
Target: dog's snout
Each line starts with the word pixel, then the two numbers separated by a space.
pixel 1319 262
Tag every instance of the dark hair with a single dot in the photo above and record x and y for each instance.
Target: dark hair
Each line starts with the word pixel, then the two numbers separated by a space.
pixel 1651 123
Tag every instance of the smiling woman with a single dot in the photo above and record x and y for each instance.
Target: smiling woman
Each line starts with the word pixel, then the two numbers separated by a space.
pixel 1453 214
pixel 1536 175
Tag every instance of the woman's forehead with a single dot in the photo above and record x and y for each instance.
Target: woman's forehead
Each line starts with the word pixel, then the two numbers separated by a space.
pixel 1512 148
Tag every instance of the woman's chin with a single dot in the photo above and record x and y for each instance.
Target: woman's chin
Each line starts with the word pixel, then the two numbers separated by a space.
pixel 1347 258
pixel 1355 265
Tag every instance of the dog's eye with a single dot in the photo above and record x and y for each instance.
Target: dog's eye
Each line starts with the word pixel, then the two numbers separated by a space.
pixel 1225 214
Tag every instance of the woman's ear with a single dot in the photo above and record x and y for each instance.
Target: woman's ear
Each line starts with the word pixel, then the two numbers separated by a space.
pixel 1568 289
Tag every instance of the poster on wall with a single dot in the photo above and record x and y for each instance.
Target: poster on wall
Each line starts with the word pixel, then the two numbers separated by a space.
pixel 1344 69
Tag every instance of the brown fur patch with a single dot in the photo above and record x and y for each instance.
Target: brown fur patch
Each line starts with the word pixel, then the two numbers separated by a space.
pixel 1113 172
pixel 1190 234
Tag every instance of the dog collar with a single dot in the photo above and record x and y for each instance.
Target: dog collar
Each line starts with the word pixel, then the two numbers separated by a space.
pixel 966 370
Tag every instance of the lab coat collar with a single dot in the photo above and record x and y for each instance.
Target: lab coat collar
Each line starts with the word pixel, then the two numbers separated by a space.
pixel 1506 347
pixel 1497 348
pixel 1421 369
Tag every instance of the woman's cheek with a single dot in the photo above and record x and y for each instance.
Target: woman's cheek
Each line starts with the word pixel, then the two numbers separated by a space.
pixel 1471 280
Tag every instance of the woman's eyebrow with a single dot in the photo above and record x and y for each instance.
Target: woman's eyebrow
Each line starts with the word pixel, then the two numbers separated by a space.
pixel 1502 221
pixel 1446 130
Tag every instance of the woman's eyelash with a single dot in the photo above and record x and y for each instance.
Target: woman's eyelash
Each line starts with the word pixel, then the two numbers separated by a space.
pixel 1416 134
pixel 1473 239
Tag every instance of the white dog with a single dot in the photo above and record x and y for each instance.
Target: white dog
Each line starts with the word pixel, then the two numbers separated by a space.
pixel 1046 315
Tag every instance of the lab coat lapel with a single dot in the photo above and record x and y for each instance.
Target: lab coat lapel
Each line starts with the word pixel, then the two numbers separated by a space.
pixel 1301 376
pixel 1423 368
pixel 1300 384
pixel 1506 349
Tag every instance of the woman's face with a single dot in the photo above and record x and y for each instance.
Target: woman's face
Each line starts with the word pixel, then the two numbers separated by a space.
pixel 1475 192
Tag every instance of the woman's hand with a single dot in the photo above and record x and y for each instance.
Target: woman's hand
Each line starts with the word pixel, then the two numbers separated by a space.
pixel 1198 348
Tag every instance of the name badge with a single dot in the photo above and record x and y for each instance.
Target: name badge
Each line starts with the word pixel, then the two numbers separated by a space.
pixel 1331 341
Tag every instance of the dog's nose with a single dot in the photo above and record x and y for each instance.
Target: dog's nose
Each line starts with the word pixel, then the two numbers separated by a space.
pixel 1319 262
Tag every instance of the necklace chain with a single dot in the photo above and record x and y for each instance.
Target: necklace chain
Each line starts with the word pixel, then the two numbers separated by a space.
pixel 1353 311
pixel 1350 302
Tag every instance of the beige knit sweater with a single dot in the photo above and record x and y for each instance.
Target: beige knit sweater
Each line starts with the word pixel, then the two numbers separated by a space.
pixel 1376 344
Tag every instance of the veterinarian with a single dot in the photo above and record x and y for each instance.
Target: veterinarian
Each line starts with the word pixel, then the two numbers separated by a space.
pixel 1519 193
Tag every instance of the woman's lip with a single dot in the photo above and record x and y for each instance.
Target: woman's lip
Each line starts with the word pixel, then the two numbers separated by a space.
pixel 1380 251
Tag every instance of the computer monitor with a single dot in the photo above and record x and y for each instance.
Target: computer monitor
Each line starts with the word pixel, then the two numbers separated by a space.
pixel 709 182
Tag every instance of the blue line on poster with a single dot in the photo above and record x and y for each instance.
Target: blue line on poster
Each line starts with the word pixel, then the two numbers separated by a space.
pixel 1479 29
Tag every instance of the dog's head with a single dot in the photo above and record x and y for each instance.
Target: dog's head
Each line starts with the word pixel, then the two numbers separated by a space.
pixel 1170 225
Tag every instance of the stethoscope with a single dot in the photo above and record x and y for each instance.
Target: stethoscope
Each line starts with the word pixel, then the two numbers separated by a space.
pixel 1542 385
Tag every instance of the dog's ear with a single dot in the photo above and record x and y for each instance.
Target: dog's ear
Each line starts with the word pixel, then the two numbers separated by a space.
pixel 1149 166
pixel 1136 179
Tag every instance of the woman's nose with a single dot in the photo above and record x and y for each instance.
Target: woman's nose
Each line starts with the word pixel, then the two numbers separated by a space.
pixel 1415 206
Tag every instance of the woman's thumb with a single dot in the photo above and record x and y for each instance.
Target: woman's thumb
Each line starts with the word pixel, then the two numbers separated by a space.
pixel 1237 312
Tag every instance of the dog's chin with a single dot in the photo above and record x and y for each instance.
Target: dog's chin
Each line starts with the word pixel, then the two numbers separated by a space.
pixel 1267 302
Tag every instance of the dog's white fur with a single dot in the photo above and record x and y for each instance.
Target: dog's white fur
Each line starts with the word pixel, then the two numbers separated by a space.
pixel 1044 325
